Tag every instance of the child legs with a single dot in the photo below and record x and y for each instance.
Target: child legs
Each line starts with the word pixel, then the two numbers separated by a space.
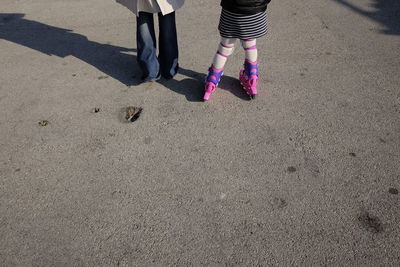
pixel 249 75
pixel 250 48
pixel 225 49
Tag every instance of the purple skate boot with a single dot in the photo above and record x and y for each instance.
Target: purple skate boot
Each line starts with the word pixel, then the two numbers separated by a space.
pixel 212 80
pixel 249 78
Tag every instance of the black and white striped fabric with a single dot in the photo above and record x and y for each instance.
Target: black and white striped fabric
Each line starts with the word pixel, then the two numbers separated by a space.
pixel 243 27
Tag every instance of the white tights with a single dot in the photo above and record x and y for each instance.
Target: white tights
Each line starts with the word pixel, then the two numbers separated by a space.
pixel 226 47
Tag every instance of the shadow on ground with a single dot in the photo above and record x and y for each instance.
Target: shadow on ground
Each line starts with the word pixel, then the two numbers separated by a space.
pixel 115 61
pixel 53 41
pixel 387 13
pixel 227 83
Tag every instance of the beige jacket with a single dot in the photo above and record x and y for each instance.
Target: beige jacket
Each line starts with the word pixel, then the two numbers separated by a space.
pixel 152 6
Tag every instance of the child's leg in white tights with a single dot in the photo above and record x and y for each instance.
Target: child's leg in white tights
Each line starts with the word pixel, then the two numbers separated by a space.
pixel 250 48
pixel 225 49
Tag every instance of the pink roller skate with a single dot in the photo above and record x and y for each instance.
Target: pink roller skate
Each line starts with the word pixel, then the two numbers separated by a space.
pixel 212 80
pixel 249 78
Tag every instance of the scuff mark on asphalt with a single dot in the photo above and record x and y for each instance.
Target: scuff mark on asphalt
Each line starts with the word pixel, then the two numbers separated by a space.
pixel 370 223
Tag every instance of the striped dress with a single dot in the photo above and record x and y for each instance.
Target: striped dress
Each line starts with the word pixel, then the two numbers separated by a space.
pixel 241 26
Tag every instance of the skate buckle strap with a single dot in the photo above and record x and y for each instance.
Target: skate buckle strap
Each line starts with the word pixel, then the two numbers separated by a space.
pixel 213 76
pixel 251 69
pixel 253 73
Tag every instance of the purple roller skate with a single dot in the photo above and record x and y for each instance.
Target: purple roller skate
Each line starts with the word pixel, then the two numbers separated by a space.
pixel 249 78
pixel 212 80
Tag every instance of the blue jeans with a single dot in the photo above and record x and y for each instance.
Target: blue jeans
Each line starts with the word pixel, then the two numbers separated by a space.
pixel 166 64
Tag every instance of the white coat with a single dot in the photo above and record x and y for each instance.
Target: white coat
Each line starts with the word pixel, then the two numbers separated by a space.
pixel 152 6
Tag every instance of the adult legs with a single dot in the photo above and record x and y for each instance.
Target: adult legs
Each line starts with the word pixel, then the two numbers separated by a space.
pixel 168 45
pixel 147 47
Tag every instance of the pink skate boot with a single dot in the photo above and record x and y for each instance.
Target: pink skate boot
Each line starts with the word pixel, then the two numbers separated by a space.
pixel 212 80
pixel 249 78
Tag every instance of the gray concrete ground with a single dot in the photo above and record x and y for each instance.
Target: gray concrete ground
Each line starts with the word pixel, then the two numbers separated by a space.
pixel 306 175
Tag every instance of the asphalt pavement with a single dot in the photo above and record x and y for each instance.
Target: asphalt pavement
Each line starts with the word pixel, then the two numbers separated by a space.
pixel 305 175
